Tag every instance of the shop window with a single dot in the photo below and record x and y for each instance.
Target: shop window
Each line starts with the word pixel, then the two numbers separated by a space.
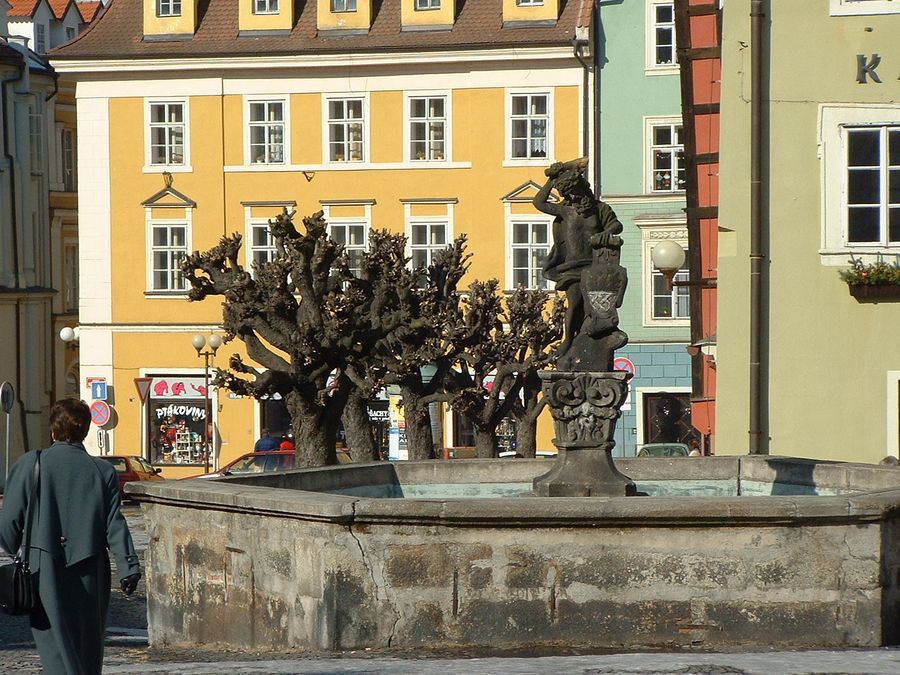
pixel 178 419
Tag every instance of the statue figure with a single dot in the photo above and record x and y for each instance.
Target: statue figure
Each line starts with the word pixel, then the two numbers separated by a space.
pixel 584 262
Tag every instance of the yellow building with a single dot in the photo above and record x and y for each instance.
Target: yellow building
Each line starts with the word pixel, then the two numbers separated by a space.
pixel 420 116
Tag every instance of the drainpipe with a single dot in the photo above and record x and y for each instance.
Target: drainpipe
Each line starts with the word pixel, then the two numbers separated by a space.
pixel 10 159
pixel 756 252
pixel 578 43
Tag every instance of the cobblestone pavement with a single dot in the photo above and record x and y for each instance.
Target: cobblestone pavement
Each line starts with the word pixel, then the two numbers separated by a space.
pixel 127 651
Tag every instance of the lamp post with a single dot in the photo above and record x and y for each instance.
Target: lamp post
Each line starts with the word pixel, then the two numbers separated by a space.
pixel 200 342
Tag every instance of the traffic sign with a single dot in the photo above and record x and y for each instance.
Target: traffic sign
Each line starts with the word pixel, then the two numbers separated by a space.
pixel 100 413
pixel 143 387
pixel 622 363
pixel 98 390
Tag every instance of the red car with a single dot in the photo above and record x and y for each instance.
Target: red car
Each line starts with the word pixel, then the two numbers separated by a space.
pixel 130 468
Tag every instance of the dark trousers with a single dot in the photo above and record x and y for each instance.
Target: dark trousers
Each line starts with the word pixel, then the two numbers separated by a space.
pixel 69 623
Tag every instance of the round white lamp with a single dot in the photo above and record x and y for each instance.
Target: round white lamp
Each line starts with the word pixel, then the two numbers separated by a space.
pixel 668 257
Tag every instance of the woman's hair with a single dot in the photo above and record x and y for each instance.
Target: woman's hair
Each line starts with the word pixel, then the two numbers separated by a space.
pixel 70 420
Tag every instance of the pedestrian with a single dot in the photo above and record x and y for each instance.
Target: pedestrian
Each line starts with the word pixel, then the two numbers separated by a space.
pixel 266 443
pixel 287 445
pixel 78 518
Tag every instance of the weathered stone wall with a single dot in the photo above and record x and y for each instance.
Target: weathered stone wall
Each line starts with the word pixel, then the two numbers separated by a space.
pixel 271 569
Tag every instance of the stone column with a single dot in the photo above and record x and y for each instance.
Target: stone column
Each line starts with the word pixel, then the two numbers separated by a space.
pixel 585 407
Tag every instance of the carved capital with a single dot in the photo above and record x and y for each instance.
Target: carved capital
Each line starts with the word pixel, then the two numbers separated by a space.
pixel 585 406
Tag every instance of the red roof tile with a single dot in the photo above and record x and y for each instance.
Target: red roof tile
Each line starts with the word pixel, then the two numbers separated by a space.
pixel 88 10
pixel 118 33
pixel 22 8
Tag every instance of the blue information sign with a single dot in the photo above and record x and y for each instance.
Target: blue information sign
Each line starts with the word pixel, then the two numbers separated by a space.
pixel 98 390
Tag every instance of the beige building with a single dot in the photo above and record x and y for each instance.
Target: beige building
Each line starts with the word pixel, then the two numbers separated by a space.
pixel 828 155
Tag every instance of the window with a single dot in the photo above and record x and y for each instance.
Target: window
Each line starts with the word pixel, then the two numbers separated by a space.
pixel 860 184
pixel 69 163
pixel 666 157
pixel 70 276
pixel 267 127
pixel 265 6
pixel 529 122
pixel 262 245
pixel 661 35
pixel 422 5
pixel 343 5
pixel 70 32
pixel 353 237
pixel 346 126
pixel 529 3
pixel 36 135
pixel 167 251
pixel 167 133
pixel 873 185
pixel 40 38
pixel 168 7
pixel 669 304
pixel 530 246
pixel 426 238
pixel 427 127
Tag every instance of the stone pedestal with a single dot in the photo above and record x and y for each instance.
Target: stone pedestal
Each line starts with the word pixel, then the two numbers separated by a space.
pixel 585 407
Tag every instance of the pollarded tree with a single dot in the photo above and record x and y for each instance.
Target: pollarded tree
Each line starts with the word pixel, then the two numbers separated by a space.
pixel 298 318
pixel 517 347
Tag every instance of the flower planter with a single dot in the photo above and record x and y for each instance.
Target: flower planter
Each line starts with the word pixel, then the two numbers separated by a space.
pixel 874 292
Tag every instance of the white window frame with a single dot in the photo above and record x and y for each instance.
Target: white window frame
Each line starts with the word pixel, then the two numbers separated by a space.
pixel 271 252
pixel 652 67
pixel 640 393
pixel 529 3
pixel 427 5
pixel 185 165
pixel 265 7
pixel 40 38
pixel 36 134
pixel 344 221
pixel 863 7
pixel 70 291
pixel 511 220
pixel 168 7
pixel 342 6
pixel 326 128
pixel 649 179
pixel 153 223
pixel 71 33
pixel 834 120
pixel 408 121
pixel 652 233
pixel 285 124
pixel 529 161
pixel 411 221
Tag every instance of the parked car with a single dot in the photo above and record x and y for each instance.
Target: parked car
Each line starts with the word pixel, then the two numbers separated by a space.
pixel 264 462
pixel 131 468
pixel 664 450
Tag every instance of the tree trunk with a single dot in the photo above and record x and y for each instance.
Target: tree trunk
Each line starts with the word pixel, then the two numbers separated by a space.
pixel 485 443
pixel 526 437
pixel 360 440
pixel 419 442
pixel 314 432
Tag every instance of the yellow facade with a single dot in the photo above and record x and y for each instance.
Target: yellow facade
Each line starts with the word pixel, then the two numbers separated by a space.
pixel 442 15
pixel 515 12
pixel 282 19
pixel 182 23
pixel 359 18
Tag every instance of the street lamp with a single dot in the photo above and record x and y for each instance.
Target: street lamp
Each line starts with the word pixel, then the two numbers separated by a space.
pixel 200 342
pixel 668 257
pixel 69 336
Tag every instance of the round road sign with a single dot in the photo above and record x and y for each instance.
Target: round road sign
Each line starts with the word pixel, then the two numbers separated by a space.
pixel 622 363
pixel 100 413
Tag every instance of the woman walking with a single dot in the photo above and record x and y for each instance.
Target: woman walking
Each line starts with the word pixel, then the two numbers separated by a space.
pixel 78 517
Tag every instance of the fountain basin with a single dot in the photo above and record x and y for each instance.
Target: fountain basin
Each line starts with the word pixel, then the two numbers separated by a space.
pixel 792 553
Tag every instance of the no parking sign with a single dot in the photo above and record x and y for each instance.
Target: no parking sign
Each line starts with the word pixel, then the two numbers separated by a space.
pixel 626 364
pixel 100 413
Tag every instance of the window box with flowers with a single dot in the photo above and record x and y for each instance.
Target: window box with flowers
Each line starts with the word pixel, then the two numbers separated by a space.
pixel 872 281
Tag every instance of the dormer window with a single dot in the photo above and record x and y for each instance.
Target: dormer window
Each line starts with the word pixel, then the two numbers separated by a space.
pixel 424 5
pixel 343 5
pixel 529 3
pixel 265 6
pixel 168 7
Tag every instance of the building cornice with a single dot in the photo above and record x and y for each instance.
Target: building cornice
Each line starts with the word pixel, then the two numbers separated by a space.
pixel 338 60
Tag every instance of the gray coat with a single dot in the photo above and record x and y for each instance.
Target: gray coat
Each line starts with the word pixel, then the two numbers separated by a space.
pixel 78 518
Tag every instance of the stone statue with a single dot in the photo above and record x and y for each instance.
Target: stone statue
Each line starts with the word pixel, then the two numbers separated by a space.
pixel 584 394
pixel 584 263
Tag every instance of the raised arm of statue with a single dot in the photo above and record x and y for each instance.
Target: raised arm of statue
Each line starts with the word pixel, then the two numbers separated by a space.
pixel 542 201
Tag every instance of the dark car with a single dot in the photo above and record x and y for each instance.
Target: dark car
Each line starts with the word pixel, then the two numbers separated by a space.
pixel 664 450
pixel 131 468
pixel 263 462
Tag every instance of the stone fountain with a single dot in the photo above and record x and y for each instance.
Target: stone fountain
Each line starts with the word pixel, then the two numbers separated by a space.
pixel 503 554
